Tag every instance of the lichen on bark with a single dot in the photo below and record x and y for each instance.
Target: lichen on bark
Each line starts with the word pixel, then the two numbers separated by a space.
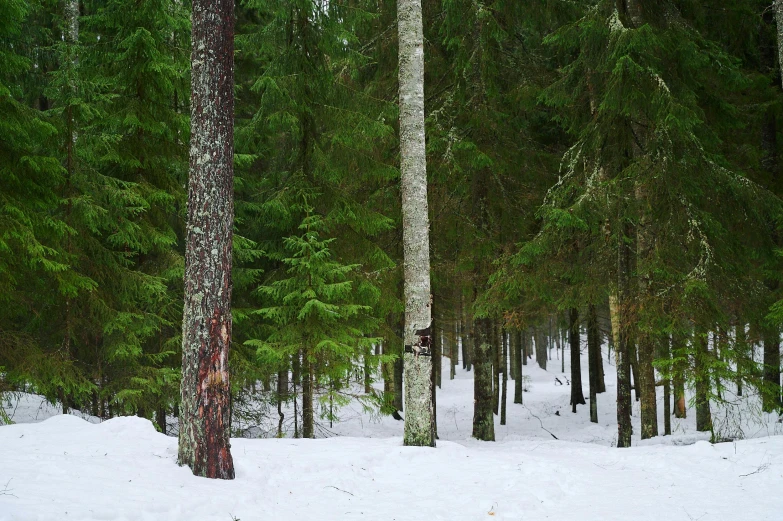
pixel 419 417
pixel 204 443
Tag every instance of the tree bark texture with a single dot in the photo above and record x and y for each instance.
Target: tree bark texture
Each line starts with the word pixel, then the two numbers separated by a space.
pixel 702 375
pixel 742 354
pixel 518 357
pixel 679 367
pixel 483 418
pixel 497 351
pixel 770 398
pixel 541 347
pixel 622 347
pixel 419 417
pixel 204 443
pixel 577 396
pixel 308 423
pixel 593 359
pixel 778 4
pixel 504 384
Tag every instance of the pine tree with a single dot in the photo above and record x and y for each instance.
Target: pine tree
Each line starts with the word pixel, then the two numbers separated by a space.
pixel 205 407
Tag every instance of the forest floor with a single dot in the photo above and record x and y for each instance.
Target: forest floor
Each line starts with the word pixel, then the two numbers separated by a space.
pixel 55 467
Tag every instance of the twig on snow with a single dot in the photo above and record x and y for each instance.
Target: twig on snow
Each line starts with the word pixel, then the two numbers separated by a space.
pixel 7 491
pixel 539 421
pixel 341 490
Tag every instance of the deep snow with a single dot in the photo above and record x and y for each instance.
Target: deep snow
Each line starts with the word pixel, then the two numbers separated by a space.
pixel 122 469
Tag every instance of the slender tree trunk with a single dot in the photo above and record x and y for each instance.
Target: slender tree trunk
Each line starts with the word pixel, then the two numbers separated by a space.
pixel 282 395
pixel 454 353
pixel 770 397
pixel 577 396
pixel 419 417
pixel 204 443
pixel 308 423
pixel 622 345
pixel 526 343
pixel 398 376
pixel 518 357
pixel 666 354
pixel 295 378
pixel 504 388
pixel 497 352
pixel 700 368
pixel 679 366
pixel 437 357
pixel 742 350
pixel 778 4
pixel 483 419
pixel 593 359
pixel 467 337
pixel 367 374
pixel 562 343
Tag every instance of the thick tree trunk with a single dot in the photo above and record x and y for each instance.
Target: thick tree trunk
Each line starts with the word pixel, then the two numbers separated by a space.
pixel 204 443
pixel 419 417
pixel 160 418
pixel 593 359
pixel 483 419
pixel 577 396
pixel 702 375
pixel 540 347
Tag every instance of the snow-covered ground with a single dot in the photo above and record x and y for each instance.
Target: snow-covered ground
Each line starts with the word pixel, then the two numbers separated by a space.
pixel 65 467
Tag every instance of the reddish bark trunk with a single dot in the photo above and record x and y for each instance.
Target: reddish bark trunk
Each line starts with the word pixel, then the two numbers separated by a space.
pixel 206 327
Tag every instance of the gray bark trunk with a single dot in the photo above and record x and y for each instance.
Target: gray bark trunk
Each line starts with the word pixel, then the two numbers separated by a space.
pixel 419 417
pixel 204 443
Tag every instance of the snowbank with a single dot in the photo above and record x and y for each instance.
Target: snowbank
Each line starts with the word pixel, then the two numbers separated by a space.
pixel 122 469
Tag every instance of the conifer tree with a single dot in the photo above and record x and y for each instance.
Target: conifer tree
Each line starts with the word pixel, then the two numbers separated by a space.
pixel 313 310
